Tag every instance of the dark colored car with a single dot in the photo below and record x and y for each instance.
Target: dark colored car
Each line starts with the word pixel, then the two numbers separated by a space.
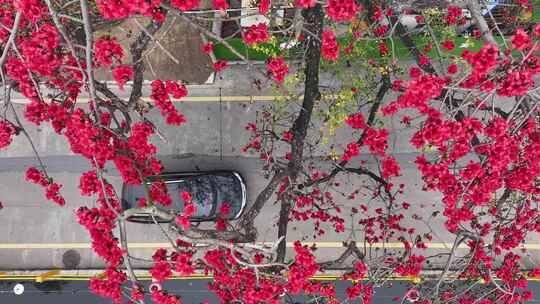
pixel 209 191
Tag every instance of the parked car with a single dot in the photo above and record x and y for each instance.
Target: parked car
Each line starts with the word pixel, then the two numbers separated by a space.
pixel 209 191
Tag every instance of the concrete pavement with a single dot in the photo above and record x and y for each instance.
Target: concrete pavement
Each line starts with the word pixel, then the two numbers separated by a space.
pixel 28 219
pixel 211 139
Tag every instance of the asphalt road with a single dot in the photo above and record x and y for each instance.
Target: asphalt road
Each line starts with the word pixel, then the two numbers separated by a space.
pixel 191 292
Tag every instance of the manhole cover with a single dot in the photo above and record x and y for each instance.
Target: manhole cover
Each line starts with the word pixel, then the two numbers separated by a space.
pixel 71 259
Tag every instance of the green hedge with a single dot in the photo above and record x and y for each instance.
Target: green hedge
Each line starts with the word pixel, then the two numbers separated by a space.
pixel 223 53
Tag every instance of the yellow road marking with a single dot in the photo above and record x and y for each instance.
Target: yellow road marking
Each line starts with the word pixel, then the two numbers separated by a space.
pixel 320 277
pixel 395 245
pixel 47 275
pixel 233 98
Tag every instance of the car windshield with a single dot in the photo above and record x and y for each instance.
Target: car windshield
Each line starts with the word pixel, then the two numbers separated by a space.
pixel 202 189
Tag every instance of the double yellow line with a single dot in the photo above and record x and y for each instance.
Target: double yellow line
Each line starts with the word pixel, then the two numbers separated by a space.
pixel 393 245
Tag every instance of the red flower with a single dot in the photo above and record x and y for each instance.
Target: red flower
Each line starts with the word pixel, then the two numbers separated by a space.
pixel 278 68
pixel 448 44
pixel 177 90
pixel 52 192
pixel 287 136
pixel 415 72
pixel 225 209
pixel 35 176
pixel 452 68
pixel 160 94
pixel 208 48
pixel 356 121
pixel 161 271
pixel 521 40
pixel 330 48
pixel 141 202
pixel 221 224
pixel 7 130
pixel 264 5
pixel 220 4
pixel 390 167
pixel 424 60
pixel 107 50
pixel 186 196
pixel 89 183
pixel 304 3
pixel 122 74
pixel 256 33
pixel 380 30
pixel 183 221
pixel 536 30
pixel 353 149
pixel 383 48
pixel 185 5
pixel 453 13
pixel 341 10
pixel 220 65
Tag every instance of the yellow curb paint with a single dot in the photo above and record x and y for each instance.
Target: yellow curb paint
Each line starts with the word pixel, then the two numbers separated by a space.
pixel 47 275
pixel 232 98
pixel 396 245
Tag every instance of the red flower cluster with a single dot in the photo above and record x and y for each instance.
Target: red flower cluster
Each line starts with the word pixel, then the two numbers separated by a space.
pixel 278 68
pixel 189 210
pixel 208 48
pixel 516 83
pixel 52 190
pixel 183 263
pixel 120 9
pixel 448 45
pixel 304 267
pixel 160 95
pixel 161 271
pixel 185 5
pixel 161 297
pixel 482 62
pixel 330 48
pixel 411 267
pixel 220 65
pixel 158 193
pixel 111 285
pixel 390 167
pixel 453 15
pixel 521 40
pixel 7 130
pixel 122 74
pixel 264 5
pixel 353 149
pixel 304 3
pixel 106 50
pixel 256 33
pixel 89 183
pixel 376 140
pixel 356 121
pixel 342 10
pixel 32 10
pixel 220 4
